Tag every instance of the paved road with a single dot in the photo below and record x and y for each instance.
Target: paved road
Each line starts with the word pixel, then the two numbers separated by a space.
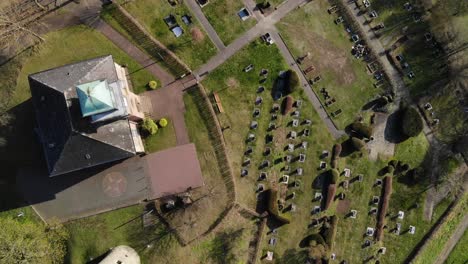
pixel 457 234
pixel 310 93
pixel 264 25
pixel 192 4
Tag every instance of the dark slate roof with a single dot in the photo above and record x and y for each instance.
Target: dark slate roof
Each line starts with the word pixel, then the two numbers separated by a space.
pixel 72 142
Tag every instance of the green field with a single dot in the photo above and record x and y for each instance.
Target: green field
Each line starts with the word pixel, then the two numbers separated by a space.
pixel 222 15
pixel 458 254
pixel 194 47
pixel 310 31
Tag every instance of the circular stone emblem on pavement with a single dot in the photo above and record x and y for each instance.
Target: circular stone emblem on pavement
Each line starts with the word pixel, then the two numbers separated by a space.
pixel 114 184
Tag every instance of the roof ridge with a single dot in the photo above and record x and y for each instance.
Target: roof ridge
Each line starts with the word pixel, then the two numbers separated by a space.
pixel 100 62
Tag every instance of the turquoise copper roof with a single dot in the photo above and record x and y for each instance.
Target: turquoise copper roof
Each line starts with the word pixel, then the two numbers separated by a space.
pixel 95 98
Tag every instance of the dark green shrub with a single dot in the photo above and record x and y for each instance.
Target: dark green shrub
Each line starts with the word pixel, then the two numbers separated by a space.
pixel 334 176
pixel 390 169
pixel 393 163
pixel 411 122
pixel 357 143
pixel 292 81
pixel 149 126
pixel 362 129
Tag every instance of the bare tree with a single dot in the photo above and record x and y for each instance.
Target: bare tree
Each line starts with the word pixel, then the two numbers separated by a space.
pixel 16 22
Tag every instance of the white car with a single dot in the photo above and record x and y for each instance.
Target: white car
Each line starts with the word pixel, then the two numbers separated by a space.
pixel 366 3
pixel 267 38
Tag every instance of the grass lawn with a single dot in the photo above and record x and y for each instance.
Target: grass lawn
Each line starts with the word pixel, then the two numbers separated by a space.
pixel 237 92
pixel 71 45
pixel 412 151
pixel 164 139
pixel 311 31
pixel 194 47
pixel 440 238
pixel 458 254
pixel 222 15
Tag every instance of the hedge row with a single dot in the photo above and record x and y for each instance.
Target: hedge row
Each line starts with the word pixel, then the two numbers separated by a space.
pixel 411 122
pixel 387 191
pixel 273 206
pixel 287 105
pixel 330 195
pixel 330 233
pixel 362 129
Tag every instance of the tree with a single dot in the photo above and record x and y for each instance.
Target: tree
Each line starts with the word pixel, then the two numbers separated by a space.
pixel 149 126
pixel 30 242
pixel 163 122
pixel 412 123
pixel 293 81
pixel 16 22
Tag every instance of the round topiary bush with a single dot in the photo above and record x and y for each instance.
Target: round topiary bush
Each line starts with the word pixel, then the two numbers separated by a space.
pixel 163 122
pixel 334 176
pixel 411 122
pixel 149 126
pixel 357 143
pixel 152 85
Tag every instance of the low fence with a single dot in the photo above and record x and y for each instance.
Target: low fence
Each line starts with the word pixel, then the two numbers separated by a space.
pixel 146 42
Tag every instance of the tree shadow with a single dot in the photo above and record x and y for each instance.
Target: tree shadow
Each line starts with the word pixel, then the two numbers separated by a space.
pixel 392 128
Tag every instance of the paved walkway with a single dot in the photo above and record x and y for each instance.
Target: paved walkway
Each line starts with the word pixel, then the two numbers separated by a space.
pixel 263 26
pixel 193 5
pixel 139 56
pixel 168 102
pixel 336 133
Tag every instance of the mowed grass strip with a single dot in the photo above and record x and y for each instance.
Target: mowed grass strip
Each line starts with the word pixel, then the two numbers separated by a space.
pixel 437 241
pixel 223 16
pixel 194 47
pixel 310 31
pixel 458 254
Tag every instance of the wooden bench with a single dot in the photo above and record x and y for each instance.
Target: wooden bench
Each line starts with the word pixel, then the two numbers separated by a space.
pixel 218 102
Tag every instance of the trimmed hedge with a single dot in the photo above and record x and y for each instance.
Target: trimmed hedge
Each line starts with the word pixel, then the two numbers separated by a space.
pixel 330 195
pixel 357 143
pixel 292 81
pixel 149 126
pixel 362 129
pixel 273 206
pixel 411 122
pixel 387 191
pixel 334 163
pixel 330 233
pixel 337 148
pixel 287 104
pixel 334 176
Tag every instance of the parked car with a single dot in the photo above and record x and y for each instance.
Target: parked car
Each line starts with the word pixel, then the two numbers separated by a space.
pixel 267 38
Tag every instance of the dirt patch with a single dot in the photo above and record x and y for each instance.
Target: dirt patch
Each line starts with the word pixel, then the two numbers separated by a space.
pixel 197 35
pixel 232 82
pixel 324 56
pixel 343 206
